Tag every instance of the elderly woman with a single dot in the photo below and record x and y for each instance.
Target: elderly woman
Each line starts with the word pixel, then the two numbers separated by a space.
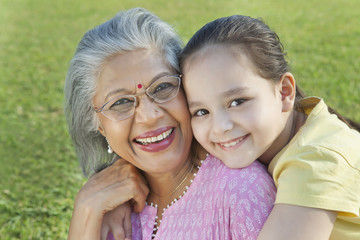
pixel 124 98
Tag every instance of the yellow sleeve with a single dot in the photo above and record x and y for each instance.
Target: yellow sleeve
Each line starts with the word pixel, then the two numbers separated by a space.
pixel 318 177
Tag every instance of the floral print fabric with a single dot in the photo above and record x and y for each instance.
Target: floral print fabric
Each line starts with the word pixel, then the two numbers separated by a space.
pixel 221 203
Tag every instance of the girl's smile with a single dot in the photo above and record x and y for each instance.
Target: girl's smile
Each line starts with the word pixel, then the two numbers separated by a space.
pixel 233 144
pixel 237 115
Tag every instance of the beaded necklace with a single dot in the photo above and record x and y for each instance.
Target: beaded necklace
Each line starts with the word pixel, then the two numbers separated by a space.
pixel 157 223
pixel 187 175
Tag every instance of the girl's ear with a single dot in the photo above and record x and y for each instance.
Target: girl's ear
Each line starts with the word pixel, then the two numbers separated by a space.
pixel 287 91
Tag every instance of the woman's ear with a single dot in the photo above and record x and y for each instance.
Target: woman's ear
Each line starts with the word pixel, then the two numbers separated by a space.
pixel 101 130
pixel 287 91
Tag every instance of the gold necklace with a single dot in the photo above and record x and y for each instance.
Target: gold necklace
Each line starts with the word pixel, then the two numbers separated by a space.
pixel 187 175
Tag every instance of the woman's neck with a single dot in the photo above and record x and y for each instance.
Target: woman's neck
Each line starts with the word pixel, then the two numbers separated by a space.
pixel 165 189
pixel 167 186
pixel 162 185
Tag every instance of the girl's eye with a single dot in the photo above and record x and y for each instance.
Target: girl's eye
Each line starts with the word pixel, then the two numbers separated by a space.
pixel 200 112
pixel 237 102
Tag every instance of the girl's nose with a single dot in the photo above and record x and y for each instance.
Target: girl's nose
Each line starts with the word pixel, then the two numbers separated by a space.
pixel 147 111
pixel 222 123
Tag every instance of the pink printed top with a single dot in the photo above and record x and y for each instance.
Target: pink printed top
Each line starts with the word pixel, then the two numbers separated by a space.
pixel 221 203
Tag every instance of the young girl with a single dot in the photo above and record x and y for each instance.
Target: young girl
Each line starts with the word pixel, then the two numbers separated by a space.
pixel 245 105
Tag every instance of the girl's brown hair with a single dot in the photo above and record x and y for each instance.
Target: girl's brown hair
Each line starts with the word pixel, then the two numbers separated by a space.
pixel 255 38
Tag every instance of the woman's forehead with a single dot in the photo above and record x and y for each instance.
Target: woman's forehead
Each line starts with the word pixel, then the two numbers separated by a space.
pixel 139 65
pixel 123 73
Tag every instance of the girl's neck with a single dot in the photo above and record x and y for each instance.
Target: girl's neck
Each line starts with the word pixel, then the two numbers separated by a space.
pixel 295 121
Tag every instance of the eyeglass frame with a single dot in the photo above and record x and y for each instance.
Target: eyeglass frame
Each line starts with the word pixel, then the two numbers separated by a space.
pixel 100 109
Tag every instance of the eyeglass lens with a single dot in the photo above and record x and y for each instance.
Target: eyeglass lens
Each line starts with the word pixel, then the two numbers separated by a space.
pixel 162 90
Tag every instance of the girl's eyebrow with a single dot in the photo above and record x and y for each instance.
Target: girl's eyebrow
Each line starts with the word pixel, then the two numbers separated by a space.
pixel 194 104
pixel 234 91
pixel 226 94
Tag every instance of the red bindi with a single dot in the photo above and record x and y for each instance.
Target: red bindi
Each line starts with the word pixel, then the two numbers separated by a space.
pixel 139 85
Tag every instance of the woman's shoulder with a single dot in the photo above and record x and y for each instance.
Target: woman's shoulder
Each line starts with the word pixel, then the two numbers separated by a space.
pixel 212 163
pixel 214 171
pixel 236 187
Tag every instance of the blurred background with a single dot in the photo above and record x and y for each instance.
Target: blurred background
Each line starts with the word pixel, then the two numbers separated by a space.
pixel 39 172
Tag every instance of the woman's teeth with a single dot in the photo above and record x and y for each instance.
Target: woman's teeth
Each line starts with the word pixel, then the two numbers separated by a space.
pixel 145 141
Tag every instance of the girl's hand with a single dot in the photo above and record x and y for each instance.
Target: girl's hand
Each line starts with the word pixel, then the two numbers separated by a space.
pixel 104 192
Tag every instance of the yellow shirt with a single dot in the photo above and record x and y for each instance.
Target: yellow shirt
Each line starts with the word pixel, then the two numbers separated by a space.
pixel 320 168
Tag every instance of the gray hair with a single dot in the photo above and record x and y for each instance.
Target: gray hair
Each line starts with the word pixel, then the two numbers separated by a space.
pixel 128 31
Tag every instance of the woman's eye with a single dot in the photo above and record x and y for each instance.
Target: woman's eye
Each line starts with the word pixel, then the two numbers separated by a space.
pixel 161 87
pixel 200 112
pixel 237 102
pixel 121 102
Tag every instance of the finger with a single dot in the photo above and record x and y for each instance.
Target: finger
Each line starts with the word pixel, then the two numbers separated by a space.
pixel 128 226
pixel 138 201
pixel 104 232
pixel 118 193
pixel 110 236
pixel 116 219
pixel 117 172
pixel 116 224
pixel 118 233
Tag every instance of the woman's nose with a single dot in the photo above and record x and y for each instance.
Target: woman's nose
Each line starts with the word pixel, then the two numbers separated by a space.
pixel 147 111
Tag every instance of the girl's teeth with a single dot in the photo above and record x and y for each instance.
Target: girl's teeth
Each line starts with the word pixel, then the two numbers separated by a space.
pixel 232 143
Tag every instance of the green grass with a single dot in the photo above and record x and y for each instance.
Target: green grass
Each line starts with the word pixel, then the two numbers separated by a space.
pixel 39 173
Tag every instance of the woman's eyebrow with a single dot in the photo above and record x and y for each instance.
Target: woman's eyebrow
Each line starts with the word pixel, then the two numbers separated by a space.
pixel 113 92
pixel 160 75
pixel 156 77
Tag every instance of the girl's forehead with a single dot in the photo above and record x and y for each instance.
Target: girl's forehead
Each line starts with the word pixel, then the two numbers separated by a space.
pixel 221 69
pixel 237 52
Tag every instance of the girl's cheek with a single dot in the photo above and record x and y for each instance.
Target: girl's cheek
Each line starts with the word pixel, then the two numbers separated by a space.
pixel 199 131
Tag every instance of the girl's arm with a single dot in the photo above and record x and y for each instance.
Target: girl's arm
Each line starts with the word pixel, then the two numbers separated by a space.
pixel 291 222
pixel 104 192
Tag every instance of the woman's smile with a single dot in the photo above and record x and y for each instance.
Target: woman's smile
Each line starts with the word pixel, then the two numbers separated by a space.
pixel 157 140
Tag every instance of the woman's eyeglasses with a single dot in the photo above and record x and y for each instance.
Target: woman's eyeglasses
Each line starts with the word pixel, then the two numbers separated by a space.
pixel 121 107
